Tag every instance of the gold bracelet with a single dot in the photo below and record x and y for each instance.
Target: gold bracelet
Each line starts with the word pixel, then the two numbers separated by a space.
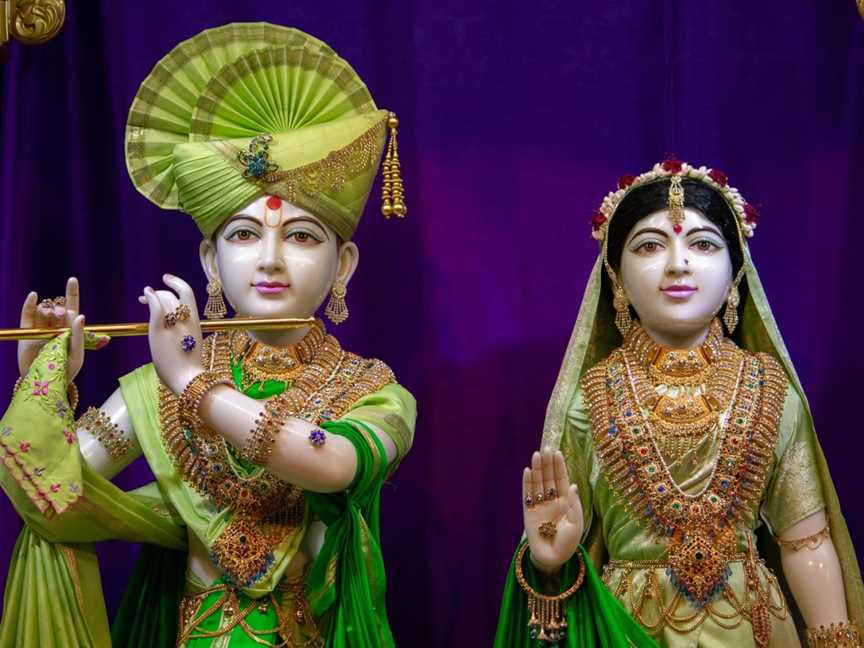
pixel 104 430
pixel 547 621
pixel 193 393
pixel 837 635
pixel 810 542
pixel 259 444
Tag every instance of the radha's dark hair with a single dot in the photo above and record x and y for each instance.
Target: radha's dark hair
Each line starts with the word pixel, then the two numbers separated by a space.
pixel 653 197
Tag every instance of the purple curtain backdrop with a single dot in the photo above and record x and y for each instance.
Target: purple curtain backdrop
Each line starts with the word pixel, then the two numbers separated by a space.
pixel 517 118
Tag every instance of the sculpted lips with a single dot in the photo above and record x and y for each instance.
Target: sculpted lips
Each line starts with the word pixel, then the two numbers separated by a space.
pixel 679 291
pixel 270 287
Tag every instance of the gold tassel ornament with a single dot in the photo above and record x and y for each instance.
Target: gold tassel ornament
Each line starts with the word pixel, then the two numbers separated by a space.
pixel 547 622
pixel 392 189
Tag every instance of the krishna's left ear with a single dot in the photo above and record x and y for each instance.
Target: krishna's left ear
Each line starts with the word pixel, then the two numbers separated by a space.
pixel 349 257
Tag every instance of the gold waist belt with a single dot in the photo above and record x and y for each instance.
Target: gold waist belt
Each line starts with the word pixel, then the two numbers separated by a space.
pixel 295 625
pixel 655 602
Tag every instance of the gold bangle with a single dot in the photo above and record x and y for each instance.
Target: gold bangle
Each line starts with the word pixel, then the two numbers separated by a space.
pixel 193 393
pixel 259 444
pixel 547 622
pixel 104 430
pixel 810 542
pixel 842 634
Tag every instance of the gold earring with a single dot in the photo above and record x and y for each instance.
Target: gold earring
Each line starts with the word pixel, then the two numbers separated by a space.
pixel 623 321
pixel 337 309
pixel 730 317
pixel 215 308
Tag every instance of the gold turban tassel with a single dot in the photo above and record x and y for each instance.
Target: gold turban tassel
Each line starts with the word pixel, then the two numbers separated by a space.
pixel 392 189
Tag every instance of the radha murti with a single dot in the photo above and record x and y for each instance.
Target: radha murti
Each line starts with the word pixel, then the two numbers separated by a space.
pixel 698 484
pixel 269 448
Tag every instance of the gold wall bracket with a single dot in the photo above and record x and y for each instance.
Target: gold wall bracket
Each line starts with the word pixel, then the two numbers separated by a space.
pixel 31 22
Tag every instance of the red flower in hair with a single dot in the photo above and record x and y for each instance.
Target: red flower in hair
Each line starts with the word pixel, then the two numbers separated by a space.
pixel 625 181
pixel 719 177
pixel 597 220
pixel 750 214
pixel 672 164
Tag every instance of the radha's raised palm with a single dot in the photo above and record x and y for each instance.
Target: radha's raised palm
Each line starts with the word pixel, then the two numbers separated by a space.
pixel 551 510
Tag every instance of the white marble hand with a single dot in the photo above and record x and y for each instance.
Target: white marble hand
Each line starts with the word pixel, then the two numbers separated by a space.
pixel 553 518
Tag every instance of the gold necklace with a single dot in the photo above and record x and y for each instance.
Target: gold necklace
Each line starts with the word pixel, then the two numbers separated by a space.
pixel 262 362
pixel 265 509
pixel 699 529
pixel 684 391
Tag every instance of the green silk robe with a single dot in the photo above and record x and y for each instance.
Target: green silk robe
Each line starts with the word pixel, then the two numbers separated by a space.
pixel 53 593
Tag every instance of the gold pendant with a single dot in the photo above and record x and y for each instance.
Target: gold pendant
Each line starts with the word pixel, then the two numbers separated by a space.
pixel 699 565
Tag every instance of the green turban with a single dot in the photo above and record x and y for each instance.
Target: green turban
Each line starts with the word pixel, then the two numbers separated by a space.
pixel 253 109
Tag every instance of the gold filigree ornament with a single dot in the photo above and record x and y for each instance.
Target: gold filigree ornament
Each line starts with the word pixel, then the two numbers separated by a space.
pixel 264 509
pixel 699 529
pixel 547 621
pixel 31 22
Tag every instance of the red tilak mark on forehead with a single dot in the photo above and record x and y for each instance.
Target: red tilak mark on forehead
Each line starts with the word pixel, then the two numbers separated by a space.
pixel 677 229
pixel 274 203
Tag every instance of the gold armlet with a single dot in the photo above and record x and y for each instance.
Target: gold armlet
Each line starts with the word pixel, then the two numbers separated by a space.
pixel 548 621
pixel 836 635
pixel 811 542
pixel 193 393
pixel 259 444
pixel 97 423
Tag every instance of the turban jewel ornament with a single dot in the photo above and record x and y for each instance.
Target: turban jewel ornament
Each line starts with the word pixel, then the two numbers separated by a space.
pixel 253 109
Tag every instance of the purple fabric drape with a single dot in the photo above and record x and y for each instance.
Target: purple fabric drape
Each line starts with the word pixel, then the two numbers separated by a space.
pixel 516 119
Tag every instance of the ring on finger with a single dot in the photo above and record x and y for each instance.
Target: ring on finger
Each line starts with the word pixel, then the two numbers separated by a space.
pixel 188 343
pixel 170 319
pixel 182 312
pixel 551 493
pixel 47 304
pixel 538 498
pixel 529 501
pixel 547 529
pixel 58 301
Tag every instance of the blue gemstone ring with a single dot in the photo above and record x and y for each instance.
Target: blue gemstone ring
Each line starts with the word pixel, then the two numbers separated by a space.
pixel 317 437
pixel 188 343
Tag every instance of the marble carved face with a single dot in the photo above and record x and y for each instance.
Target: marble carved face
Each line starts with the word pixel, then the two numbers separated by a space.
pixel 676 282
pixel 277 262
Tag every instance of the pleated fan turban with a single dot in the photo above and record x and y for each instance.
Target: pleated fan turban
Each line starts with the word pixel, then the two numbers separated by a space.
pixel 253 109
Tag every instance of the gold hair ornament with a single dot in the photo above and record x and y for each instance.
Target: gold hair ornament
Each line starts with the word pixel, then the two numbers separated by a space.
pixel 746 216
pixel 676 203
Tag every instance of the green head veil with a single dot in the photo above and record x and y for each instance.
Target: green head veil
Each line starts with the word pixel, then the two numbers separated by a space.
pixel 595 336
pixel 253 109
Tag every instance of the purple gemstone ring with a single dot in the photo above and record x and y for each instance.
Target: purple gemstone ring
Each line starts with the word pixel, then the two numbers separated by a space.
pixel 317 438
pixel 188 343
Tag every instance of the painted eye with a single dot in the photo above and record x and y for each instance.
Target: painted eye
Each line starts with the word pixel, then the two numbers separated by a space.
pixel 649 247
pixel 303 238
pixel 241 235
pixel 705 245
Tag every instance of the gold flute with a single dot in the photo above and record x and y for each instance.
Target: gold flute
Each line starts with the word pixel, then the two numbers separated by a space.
pixel 141 328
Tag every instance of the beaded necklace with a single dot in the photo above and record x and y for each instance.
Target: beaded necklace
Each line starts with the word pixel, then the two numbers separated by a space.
pixel 698 529
pixel 265 509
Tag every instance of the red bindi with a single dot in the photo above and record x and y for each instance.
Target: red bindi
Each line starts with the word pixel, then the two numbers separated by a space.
pixel 677 229
pixel 274 203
